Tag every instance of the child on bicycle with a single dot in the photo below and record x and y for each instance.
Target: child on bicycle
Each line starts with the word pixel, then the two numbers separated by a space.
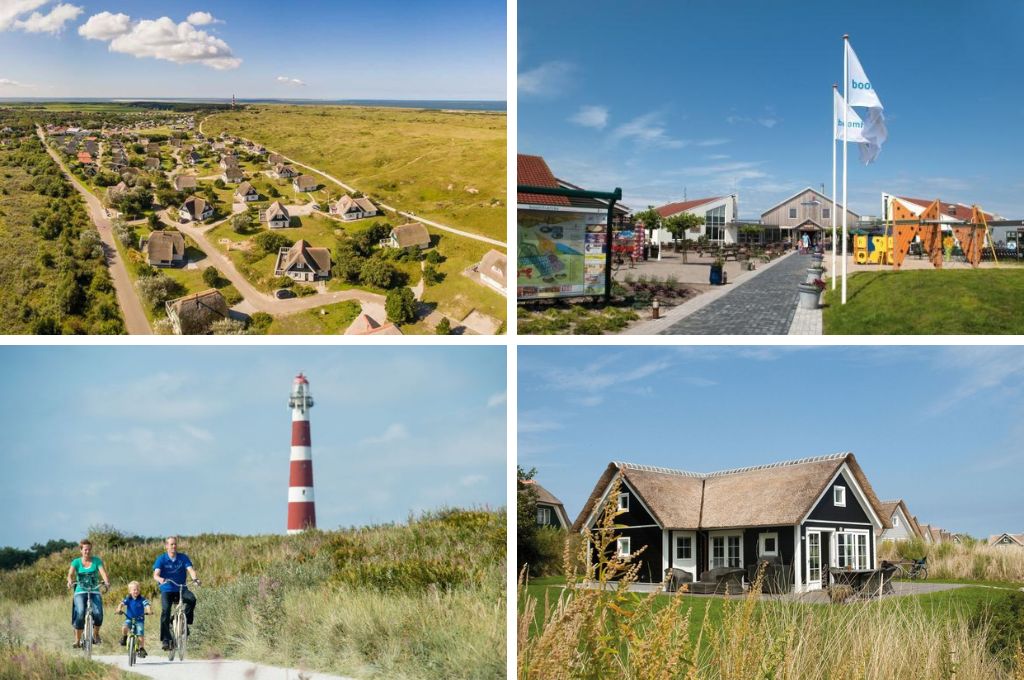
pixel 135 608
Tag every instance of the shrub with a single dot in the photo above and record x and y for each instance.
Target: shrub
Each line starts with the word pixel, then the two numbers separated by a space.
pixel 1005 625
pixel 377 272
pixel 444 327
pixel 400 305
pixel 211 276
pixel 271 242
pixel 259 322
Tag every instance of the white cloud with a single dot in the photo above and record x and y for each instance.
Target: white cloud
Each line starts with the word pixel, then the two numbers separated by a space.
pixel 591 116
pixel 197 432
pixel 394 432
pixel 202 19
pixel 767 119
pixel 7 82
pixel 593 400
pixel 10 10
pixel 717 141
pixel 105 26
pixel 496 400
pixel 549 78
pixel 647 130
pixel 181 43
pixel 52 23
pixel 472 480
pixel 717 156
pixel 291 81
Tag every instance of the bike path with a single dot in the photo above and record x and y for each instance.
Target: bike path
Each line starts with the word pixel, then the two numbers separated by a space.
pixel 762 305
pixel 157 666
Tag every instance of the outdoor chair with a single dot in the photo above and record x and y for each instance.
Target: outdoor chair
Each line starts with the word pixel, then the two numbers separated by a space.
pixel 777 578
pixel 719 581
pixel 674 578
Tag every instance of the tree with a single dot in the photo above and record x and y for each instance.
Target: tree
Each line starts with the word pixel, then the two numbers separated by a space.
pixel 157 289
pixel 431 276
pixel 526 517
pixel 241 223
pixel 211 276
pixel 650 219
pixel 377 272
pixel 348 264
pixel 400 305
pixel 259 322
pixel 219 183
pixel 154 222
pixel 272 242
pixel 444 326
pixel 679 224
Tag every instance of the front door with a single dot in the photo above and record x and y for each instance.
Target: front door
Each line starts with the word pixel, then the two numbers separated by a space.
pixel 813 560
pixel 684 551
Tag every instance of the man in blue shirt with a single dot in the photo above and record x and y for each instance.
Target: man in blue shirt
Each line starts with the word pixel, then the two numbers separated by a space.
pixel 172 567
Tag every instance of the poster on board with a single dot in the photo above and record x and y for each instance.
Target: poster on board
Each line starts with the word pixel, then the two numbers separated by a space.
pixel 561 254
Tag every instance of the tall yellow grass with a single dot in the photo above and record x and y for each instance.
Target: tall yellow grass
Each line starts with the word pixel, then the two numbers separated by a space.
pixel 968 561
pixel 597 629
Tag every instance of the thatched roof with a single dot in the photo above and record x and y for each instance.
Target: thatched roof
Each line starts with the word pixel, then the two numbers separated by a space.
pixel 367 325
pixel 494 265
pixel 165 246
pixel 196 313
pixel 300 255
pixel 889 509
pixel 765 495
pixel 411 234
pixel 996 539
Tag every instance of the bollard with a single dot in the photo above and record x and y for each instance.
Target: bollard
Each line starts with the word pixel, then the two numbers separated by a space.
pixel 655 309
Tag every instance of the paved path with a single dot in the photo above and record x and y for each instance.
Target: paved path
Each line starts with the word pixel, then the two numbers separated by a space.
pixel 258 300
pixel 412 216
pixel 157 666
pixel 135 321
pixel 762 305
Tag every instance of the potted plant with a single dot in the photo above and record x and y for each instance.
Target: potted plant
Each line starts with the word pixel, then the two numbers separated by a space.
pixel 716 277
pixel 815 271
pixel 810 294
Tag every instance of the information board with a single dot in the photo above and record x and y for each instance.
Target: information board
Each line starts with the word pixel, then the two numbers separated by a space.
pixel 561 254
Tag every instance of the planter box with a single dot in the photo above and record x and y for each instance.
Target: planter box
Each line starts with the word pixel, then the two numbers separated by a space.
pixel 815 273
pixel 810 296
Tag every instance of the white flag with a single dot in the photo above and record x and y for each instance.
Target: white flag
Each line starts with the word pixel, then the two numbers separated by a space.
pixel 855 125
pixel 875 134
pixel 861 93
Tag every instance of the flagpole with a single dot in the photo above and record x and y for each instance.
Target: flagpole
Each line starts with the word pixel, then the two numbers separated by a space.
pixel 846 98
pixel 833 211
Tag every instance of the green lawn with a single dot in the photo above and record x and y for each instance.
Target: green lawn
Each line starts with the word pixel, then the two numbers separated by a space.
pixel 456 295
pixel 929 302
pixel 446 166
pixel 327 320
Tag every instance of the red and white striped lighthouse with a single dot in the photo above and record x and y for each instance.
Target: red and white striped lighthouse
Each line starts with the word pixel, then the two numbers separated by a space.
pixel 301 511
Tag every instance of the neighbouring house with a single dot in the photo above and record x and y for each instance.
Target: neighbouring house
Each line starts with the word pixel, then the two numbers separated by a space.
pixel 348 208
pixel 233 175
pixel 247 192
pixel 1005 540
pixel 493 269
pixel 277 216
pixel 304 183
pixel 275 159
pixel 153 149
pixel 195 314
pixel 228 161
pixel 412 235
pixel 130 173
pixel 195 209
pixel 902 527
pixel 152 163
pixel 550 511
pixel 193 158
pixel 165 248
pixel 806 515
pixel 719 213
pixel 302 262
pixel 282 171
pixel 183 182
pixel 85 158
pixel 367 325
pixel 115 192
pixel 805 212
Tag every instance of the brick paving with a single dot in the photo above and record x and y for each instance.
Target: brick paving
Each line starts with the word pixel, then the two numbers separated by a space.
pixel 763 305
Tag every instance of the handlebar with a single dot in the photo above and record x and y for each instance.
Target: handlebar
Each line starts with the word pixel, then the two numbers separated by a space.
pixel 103 587
pixel 195 582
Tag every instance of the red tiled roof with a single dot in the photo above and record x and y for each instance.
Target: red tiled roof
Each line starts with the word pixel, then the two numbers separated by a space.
pixel 670 209
pixel 532 170
pixel 954 210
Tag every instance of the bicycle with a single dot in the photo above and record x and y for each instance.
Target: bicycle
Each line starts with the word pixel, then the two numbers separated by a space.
pixel 87 633
pixel 179 624
pixel 918 569
pixel 133 642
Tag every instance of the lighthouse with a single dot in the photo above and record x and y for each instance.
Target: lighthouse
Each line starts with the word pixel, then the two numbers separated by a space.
pixel 301 511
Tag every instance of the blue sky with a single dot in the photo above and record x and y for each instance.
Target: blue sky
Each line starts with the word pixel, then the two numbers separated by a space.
pixel 114 434
pixel 389 49
pixel 715 97
pixel 940 427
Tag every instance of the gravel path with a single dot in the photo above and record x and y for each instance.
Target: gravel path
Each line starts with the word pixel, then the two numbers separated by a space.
pixel 157 666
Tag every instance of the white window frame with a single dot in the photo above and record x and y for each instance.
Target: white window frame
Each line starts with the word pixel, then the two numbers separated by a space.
pixel 543 515
pixel 793 213
pixel 895 521
pixel 624 501
pixel 855 551
pixel 725 536
pixel 688 544
pixel 622 547
pixel 762 537
pixel 839 496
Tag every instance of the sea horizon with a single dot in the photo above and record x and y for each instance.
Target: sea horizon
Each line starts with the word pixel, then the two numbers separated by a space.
pixel 439 104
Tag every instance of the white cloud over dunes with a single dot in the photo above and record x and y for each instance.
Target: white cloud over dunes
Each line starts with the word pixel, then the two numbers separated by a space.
pixel 181 43
pixel 12 15
pixel 295 82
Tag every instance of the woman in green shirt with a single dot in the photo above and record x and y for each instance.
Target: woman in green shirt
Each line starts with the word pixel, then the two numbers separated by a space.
pixel 85 570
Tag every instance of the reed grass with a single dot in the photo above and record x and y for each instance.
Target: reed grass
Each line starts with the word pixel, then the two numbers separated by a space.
pixel 967 561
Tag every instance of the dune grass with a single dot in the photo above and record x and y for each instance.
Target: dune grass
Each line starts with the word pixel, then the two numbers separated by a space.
pixel 929 302
pixel 424 599
pixel 968 562
pixel 448 166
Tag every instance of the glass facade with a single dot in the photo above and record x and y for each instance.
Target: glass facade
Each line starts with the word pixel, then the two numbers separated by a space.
pixel 714 224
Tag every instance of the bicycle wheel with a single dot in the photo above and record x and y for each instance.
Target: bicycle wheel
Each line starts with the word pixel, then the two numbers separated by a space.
pixel 131 650
pixel 183 637
pixel 174 639
pixel 87 636
pixel 924 574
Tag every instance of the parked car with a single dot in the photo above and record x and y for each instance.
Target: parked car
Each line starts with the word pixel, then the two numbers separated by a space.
pixel 283 294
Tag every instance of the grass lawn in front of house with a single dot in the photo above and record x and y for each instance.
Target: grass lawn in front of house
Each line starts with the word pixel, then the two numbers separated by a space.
pixel 330 319
pixel 457 295
pixel 929 302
